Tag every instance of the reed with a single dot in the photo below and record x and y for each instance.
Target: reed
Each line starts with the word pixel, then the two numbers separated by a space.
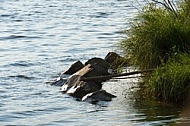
pixel 159 39
pixel 156 33
pixel 171 82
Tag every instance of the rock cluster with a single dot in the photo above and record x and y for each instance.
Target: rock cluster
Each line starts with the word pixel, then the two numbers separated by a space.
pixel 90 91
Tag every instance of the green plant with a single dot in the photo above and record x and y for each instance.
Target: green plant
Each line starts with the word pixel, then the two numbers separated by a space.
pixel 156 34
pixel 172 81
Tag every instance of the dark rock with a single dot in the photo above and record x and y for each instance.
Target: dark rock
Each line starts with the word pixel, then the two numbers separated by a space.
pixel 100 95
pixel 111 57
pixel 82 88
pixel 77 88
pixel 58 82
pixel 74 68
pixel 96 70
pixel 73 80
pixel 98 61
pixel 116 61
pixel 62 78
pixel 87 90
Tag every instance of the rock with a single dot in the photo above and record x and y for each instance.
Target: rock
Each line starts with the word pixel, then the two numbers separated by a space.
pixel 62 78
pixel 73 80
pixel 77 88
pixel 86 90
pixel 58 82
pixel 99 61
pixel 96 70
pixel 111 57
pixel 74 68
pixel 82 88
pixel 96 96
pixel 116 61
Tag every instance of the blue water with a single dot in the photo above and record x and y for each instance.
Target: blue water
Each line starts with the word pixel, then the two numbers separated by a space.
pixel 41 38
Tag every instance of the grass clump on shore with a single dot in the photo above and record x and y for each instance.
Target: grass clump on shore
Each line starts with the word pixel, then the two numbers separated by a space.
pixel 159 38
pixel 156 33
pixel 171 82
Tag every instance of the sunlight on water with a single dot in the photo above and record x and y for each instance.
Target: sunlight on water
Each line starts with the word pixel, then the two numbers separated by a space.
pixel 41 38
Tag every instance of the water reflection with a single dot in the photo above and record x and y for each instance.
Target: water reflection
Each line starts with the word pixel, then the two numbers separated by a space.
pixel 155 112
pixel 41 38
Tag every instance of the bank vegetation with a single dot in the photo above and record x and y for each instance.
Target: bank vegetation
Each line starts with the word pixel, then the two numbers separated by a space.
pixel 159 39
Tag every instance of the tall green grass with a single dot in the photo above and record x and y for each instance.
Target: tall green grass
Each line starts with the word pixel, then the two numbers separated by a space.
pixel 171 82
pixel 156 34
pixel 159 38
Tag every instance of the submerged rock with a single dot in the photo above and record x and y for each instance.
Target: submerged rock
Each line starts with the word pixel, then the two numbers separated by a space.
pixel 58 82
pixel 96 96
pixel 62 78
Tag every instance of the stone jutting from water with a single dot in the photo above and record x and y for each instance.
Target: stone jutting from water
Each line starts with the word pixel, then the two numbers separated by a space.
pixel 86 90
pixel 111 57
pixel 114 60
pixel 77 88
pixel 100 95
pixel 74 68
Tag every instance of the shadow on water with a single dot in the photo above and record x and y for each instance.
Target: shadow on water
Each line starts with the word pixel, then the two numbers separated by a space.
pixel 148 111
pixel 157 113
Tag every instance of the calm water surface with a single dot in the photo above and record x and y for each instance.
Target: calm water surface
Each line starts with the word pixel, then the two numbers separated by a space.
pixel 41 38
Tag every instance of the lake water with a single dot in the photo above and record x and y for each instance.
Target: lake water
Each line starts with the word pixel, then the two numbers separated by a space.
pixel 41 38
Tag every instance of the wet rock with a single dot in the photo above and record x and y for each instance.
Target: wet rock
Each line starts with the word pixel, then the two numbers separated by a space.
pixel 100 95
pixel 98 61
pixel 61 79
pixel 73 80
pixel 82 88
pixel 112 57
pixel 77 88
pixel 74 68
pixel 58 82
pixel 87 89
pixel 115 60
pixel 96 70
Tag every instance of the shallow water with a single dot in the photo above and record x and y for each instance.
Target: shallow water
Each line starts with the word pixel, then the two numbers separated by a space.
pixel 41 38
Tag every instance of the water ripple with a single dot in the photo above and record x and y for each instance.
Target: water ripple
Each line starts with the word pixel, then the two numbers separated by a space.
pixel 41 38
pixel 22 77
pixel 19 37
pixel 21 63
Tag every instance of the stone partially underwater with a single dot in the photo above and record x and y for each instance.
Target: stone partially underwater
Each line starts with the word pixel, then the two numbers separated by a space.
pixel 100 95
pixel 90 90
